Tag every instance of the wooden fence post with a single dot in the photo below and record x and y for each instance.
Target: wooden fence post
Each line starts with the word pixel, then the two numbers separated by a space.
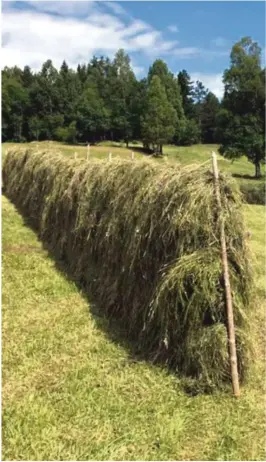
pixel 75 155
pixel 132 155
pixel 110 156
pixel 228 295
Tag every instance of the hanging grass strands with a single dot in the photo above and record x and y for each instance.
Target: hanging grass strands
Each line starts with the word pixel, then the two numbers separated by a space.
pixel 144 238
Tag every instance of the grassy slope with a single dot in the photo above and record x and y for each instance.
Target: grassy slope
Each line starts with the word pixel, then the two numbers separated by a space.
pixel 184 155
pixel 70 393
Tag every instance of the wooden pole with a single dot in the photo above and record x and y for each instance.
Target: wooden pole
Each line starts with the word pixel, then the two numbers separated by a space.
pixel 228 296
pixel 88 152
pixel 132 155
pixel 75 155
pixel 110 156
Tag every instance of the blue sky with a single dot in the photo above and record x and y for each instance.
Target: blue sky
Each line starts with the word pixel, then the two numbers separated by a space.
pixel 192 35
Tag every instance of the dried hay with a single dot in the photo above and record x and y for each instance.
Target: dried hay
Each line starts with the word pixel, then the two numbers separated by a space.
pixel 144 239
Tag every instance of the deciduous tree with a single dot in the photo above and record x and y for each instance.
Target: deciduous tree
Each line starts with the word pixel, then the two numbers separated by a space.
pixel 241 121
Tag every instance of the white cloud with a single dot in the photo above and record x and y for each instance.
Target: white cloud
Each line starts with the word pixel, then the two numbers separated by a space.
pixel 32 36
pixel 135 27
pixel 75 31
pixel 61 7
pixel 172 28
pixel 116 8
pixel 220 42
pixel 211 81
pixel 104 21
pixel 151 42
pixel 194 52
pixel 138 70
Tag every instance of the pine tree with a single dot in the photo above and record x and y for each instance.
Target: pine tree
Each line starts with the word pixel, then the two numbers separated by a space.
pixel 186 89
pixel 172 89
pixel 121 86
pixel 92 115
pixel 209 110
pixel 160 119
pixel 15 101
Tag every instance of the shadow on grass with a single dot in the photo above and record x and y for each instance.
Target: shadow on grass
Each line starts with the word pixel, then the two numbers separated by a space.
pixel 144 151
pixel 248 177
pixel 141 150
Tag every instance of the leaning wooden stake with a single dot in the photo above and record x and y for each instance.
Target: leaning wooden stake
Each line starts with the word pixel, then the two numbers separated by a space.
pixel 228 296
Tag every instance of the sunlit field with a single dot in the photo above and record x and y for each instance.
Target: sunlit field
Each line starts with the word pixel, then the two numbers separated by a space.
pixel 72 391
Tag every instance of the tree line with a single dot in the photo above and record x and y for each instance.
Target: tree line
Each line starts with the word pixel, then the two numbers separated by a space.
pixel 104 100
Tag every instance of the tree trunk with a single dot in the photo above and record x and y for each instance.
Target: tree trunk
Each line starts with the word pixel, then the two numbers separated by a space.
pixel 257 170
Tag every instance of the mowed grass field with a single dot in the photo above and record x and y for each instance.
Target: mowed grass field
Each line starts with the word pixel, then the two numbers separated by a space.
pixel 184 155
pixel 70 391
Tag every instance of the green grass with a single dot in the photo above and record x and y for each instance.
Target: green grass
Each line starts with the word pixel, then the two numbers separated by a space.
pixel 185 155
pixel 69 392
pixel 101 152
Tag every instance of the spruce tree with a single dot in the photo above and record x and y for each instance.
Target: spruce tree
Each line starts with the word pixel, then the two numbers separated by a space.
pixel 159 119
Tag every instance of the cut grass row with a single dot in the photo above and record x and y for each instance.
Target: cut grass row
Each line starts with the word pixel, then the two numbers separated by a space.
pixel 140 250
pixel 70 392
pixel 184 155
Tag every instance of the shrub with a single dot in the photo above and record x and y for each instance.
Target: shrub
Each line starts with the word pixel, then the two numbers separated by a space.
pixel 253 194
pixel 66 134
pixel 144 239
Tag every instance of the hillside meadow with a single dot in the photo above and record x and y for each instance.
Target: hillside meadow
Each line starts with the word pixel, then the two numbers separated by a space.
pixel 71 389
pixel 184 155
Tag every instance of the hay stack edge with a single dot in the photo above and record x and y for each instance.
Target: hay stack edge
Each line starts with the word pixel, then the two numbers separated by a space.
pixel 143 238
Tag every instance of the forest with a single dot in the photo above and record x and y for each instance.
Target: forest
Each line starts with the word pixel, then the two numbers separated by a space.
pixel 103 100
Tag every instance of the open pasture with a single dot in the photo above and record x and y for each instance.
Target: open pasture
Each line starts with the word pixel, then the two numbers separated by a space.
pixel 184 155
pixel 73 391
